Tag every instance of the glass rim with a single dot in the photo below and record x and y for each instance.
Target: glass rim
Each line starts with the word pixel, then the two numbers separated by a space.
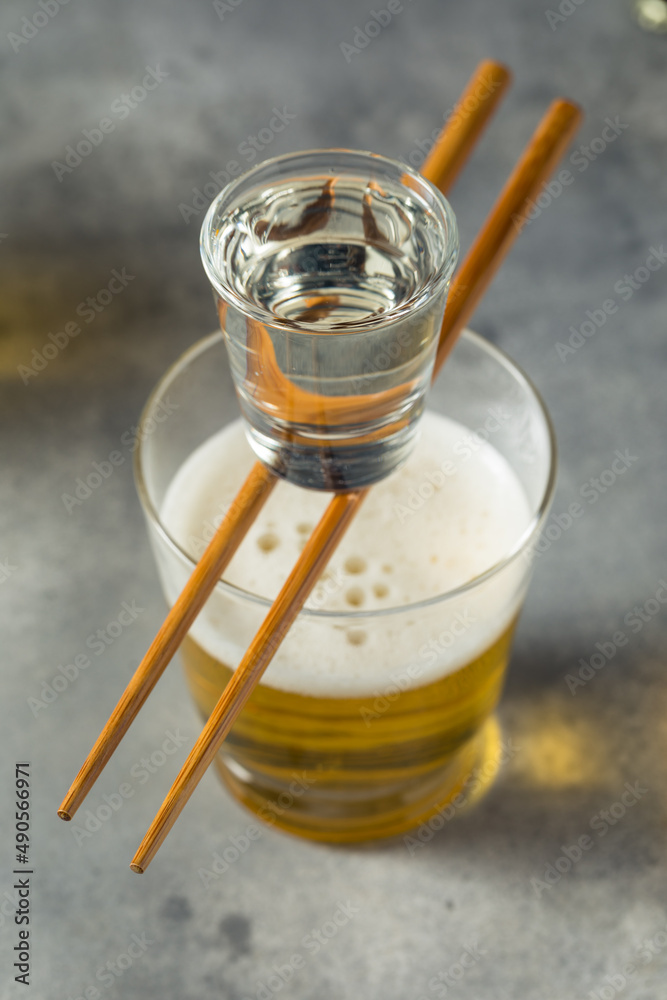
pixel 521 546
pixel 419 184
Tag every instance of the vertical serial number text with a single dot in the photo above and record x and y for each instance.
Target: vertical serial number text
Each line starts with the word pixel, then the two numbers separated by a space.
pixel 22 885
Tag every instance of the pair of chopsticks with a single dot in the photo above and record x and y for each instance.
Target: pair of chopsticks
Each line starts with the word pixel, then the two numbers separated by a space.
pixel 543 152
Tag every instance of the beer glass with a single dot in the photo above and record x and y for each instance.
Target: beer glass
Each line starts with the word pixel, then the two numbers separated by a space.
pixel 330 270
pixel 354 763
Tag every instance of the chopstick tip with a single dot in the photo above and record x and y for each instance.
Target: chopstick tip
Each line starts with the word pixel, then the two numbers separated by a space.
pixel 137 868
pixel 565 104
pixel 64 814
pixel 498 69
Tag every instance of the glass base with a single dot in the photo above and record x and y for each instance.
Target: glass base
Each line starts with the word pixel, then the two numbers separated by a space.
pixel 331 466
pixel 345 814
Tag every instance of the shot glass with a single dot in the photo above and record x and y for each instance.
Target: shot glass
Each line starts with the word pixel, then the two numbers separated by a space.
pixel 395 734
pixel 330 270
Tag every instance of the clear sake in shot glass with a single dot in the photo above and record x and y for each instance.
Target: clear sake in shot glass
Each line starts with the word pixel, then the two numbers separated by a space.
pixel 330 270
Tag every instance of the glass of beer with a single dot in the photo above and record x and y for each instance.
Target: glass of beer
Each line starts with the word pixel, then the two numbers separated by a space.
pixel 377 710
pixel 330 270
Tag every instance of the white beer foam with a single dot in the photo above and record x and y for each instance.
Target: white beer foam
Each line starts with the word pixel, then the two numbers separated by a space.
pixel 454 510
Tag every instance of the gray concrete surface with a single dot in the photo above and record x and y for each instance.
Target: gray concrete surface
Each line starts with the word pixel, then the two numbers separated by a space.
pixel 66 573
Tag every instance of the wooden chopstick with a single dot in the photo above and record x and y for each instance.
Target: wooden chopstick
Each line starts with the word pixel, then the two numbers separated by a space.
pixel 251 498
pixel 544 151
pixel 497 235
pixel 484 90
pixel 285 608
pixel 468 119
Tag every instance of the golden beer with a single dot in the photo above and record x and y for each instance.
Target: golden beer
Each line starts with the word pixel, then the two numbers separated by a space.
pixel 349 769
